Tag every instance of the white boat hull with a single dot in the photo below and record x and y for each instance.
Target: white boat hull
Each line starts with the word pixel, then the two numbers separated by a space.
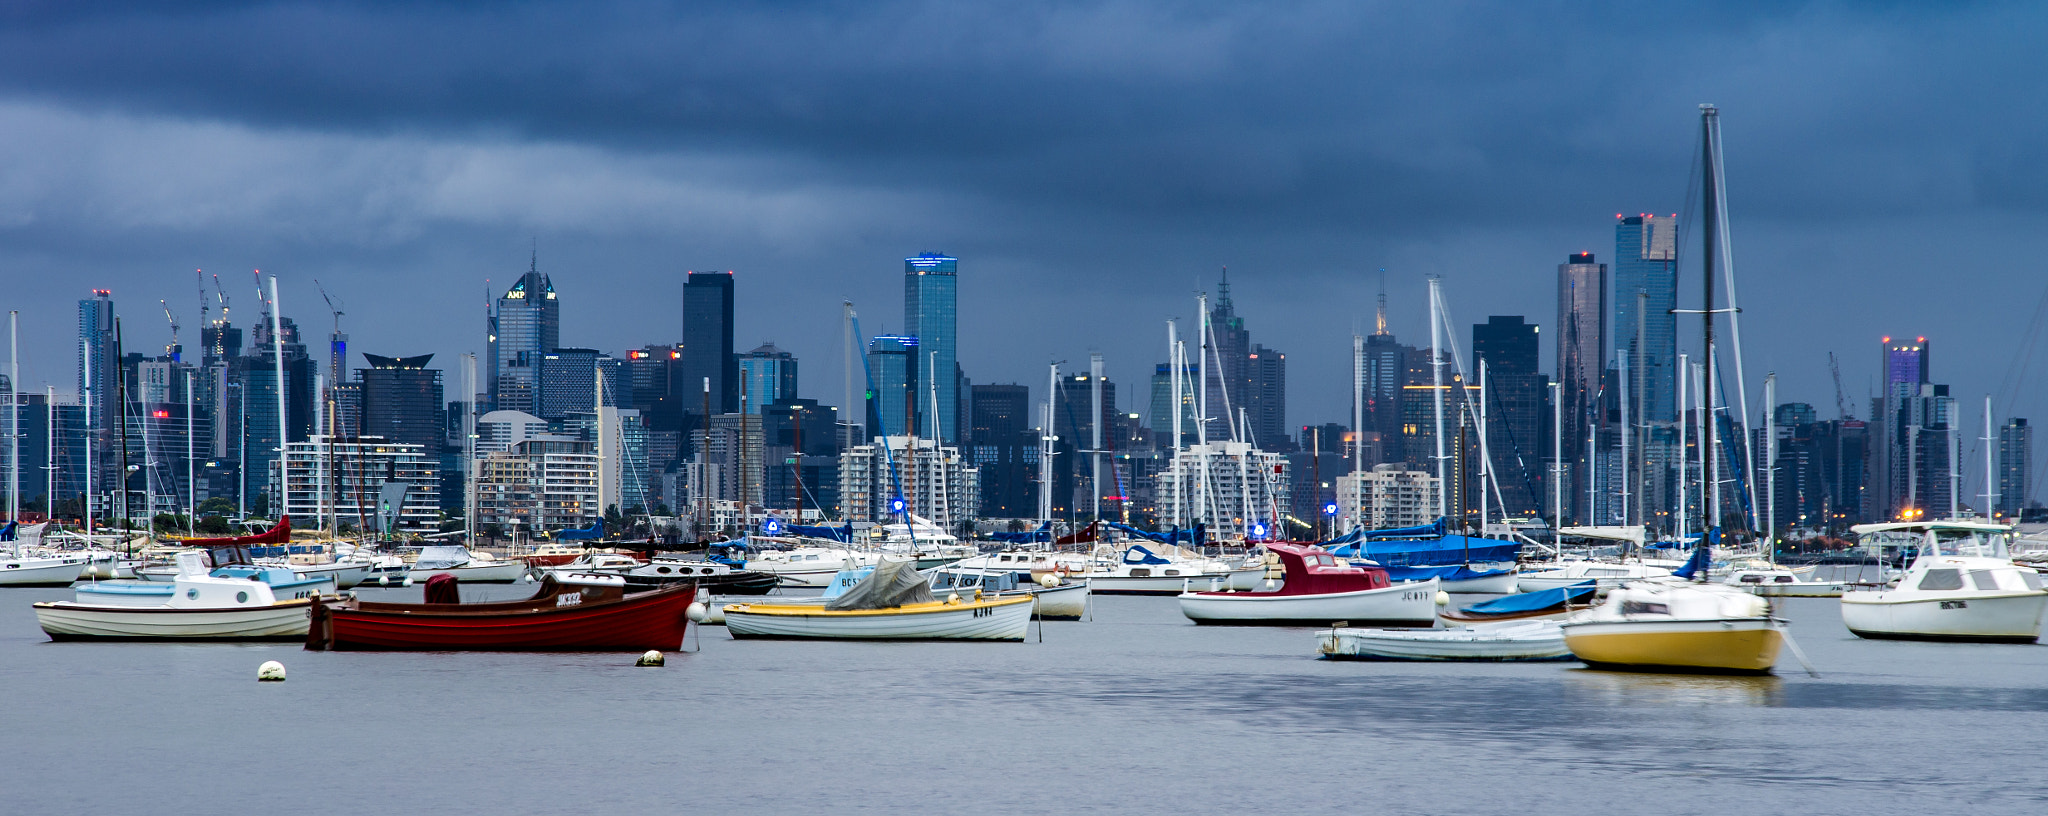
pixel 999 622
pixel 285 620
pixel 346 574
pixel 1506 583
pixel 52 572
pixel 1401 604
pixel 2008 617
pixel 1537 640
pixel 1067 602
pixel 492 572
pixel 1797 589
pixel 1125 584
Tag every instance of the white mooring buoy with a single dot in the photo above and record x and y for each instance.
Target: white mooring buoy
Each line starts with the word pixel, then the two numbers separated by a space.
pixel 651 658
pixel 270 672
pixel 696 612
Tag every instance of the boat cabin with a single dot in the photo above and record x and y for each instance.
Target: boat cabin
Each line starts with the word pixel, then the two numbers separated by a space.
pixel 1312 571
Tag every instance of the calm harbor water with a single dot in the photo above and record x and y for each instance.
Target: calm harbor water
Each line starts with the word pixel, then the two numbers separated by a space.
pixel 1136 711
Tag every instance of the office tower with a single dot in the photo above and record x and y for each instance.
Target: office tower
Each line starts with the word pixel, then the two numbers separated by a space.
pixel 1581 363
pixel 1383 374
pixel 656 375
pixel 526 323
pixel 626 482
pixel 894 395
pixel 2015 467
pixel 403 401
pixel 1004 447
pixel 1518 410
pixel 1266 399
pixel 97 367
pixel 931 313
pixel 770 376
pixel 1646 261
pixel 1159 411
pixel 568 378
pixel 707 343
pixel 1229 487
pixel 1387 496
pixel 1913 420
pixel 1074 421
pixel 259 403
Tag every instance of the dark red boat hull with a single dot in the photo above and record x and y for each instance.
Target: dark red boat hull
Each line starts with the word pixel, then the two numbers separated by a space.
pixel 652 620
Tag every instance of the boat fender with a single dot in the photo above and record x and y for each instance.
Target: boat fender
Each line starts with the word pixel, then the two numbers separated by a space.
pixel 696 612
pixel 952 598
pixel 1048 580
pixel 652 659
pixel 1443 598
pixel 270 672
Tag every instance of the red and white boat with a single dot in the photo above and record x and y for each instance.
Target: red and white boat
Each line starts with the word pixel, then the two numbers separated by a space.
pixel 1320 590
pixel 569 613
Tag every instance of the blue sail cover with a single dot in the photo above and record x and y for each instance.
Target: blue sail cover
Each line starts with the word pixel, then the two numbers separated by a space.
pixel 1454 572
pixel 1446 551
pixel 7 532
pixel 840 534
pixel 1143 556
pixel 1533 601
pixel 1702 557
pixel 1175 536
pixel 1042 535
pixel 591 533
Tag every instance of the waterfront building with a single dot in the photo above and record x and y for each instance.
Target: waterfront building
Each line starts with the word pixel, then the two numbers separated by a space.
pixel 931 313
pixel 1387 496
pixel 1581 364
pixel 526 323
pixel 366 483
pixel 768 375
pixel 1646 262
pixel 542 483
pixel 1227 486
pixel 402 401
pixel 707 343
pixel 2015 467
pixel 500 431
pixel 1914 418
pixel 936 483
pixel 627 483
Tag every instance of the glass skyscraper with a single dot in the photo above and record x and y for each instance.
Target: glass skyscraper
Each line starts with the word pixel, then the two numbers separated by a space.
pixel 1646 261
pixel 931 314
pixel 526 324
pixel 707 344
pixel 893 385
pixel 769 374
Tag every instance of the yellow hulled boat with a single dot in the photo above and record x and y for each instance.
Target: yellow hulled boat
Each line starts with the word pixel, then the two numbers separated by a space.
pixel 1673 626
pixel 892 603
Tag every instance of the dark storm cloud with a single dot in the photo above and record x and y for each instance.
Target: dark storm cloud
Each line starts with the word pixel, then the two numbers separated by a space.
pixel 1088 160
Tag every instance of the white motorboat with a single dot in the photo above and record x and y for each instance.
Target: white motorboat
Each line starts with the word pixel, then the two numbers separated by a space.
pixel 589 563
pixel 1139 571
pixel 1517 640
pixel 1962 586
pixel 892 603
pixel 28 564
pixel 1318 591
pixel 810 566
pixel 482 568
pixel 1782 583
pixel 284 584
pixel 200 607
pixel 1052 597
pixel 1536 578
pixel 346 574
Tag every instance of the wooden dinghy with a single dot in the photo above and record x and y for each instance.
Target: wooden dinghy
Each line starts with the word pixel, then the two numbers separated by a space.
pixel 568 613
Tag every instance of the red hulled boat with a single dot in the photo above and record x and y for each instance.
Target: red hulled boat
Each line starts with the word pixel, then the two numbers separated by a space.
pixel 572 613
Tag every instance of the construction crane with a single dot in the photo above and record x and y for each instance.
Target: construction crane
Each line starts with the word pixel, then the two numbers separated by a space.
pixel 222 291
pixel 175 349
pixel 338 342
pixel 1841 402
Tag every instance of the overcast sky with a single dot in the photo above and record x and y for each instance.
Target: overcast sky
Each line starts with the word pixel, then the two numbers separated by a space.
pixel 1093 165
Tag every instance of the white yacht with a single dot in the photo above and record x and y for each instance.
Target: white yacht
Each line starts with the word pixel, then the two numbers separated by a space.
pixel 810 566
pixel 27 563
pixel 1963 585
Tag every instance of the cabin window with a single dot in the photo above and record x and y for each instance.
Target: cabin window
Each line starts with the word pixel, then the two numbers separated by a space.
pixel 1752 579
pixel 1141 572
pixel 1606 573
pixel 1984 579
pixel 1784 579
pixel 1644 608
pixel 2032 579
pixel 1173 572
pixel 1942 579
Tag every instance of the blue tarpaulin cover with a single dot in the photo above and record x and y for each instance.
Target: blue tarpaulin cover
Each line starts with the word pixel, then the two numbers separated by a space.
pixel 591 533
pixel 841 534
pixel 1533 601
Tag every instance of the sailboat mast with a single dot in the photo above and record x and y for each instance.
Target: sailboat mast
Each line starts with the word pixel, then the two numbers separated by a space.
pixel 1045 451
pixel 13 415
pixel 1485 462
pixel 1436 370
pixel 1990 480
pixel 1557 463
pixel 1623 483
pixel 1771 467
pixel 1710 205
pixel 1174 367
pixel 1684 459
pixel 469 449
pixel 1095 420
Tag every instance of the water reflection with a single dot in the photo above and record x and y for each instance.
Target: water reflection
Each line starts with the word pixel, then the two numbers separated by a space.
pixel 1609 688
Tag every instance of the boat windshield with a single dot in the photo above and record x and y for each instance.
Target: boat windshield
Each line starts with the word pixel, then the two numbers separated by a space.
pixel 1969 543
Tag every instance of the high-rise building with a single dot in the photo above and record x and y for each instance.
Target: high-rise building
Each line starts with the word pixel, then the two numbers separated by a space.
pixel 259 403
pixel 769 374
pixel 931 313
pixel 1004 448
pixel 403 401
pixel 1581 364
pixel 2015 467
pixel 1159 413
pixel 1228 487
pixel 1914 419
pixel 937 483
pixel 568 382
pixel 540 483
pixel 97 366
pixel 801 446
pixel 1646 262
pixel 348 481
pixel 707 342
pixel 656 375
pixel 526 323
pixel 1518 410
pixel 1245 381
pixel 1387 496
pixel 894 395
